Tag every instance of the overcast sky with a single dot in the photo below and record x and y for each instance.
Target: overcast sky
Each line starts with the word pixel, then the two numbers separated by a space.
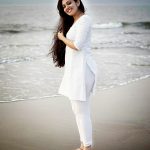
pixel 89 1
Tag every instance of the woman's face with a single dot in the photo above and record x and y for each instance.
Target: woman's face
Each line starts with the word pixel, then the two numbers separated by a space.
pixel 70 7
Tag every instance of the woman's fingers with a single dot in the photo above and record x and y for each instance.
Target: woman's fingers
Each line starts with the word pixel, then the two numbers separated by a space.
pixel 60 35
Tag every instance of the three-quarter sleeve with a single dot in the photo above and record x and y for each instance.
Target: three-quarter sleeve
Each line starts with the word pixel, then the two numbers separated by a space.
pixel 82 30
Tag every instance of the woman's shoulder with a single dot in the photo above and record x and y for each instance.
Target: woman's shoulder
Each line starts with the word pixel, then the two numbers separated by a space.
pixel 87 16
pixel 85 19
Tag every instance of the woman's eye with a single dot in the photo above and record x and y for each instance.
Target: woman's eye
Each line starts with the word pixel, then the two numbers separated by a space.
pixel 69 3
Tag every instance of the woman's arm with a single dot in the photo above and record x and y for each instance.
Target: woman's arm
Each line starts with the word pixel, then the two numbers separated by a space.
pixel 66 41
pixel 82 31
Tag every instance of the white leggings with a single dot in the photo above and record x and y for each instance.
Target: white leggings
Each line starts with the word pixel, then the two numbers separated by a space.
pixel 81 109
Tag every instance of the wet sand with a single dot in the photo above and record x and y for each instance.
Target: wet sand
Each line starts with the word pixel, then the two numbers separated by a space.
pixel 120 116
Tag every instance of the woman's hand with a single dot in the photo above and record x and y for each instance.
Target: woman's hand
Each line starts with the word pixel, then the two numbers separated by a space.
pixel 60 35
pixel 65 40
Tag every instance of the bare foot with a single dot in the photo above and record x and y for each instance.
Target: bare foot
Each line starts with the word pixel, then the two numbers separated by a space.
pixel 87 148
pixel 81 147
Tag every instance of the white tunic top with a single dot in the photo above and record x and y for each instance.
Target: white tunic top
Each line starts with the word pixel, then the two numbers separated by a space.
pixel 73 81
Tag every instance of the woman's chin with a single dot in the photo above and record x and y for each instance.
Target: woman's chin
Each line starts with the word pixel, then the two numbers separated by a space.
pixel 70 14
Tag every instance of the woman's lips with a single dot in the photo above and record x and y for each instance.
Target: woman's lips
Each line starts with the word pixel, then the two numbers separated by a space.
pixel 69 10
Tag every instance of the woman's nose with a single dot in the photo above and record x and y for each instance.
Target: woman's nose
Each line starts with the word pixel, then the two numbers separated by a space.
pixel 66 8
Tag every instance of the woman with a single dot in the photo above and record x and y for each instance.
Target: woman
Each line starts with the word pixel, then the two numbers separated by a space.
pixel 71 47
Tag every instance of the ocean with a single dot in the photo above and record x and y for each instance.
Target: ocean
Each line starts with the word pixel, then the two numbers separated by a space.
pixel 120 46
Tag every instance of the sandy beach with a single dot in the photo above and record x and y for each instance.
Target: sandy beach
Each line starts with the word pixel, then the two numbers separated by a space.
pixel 120 116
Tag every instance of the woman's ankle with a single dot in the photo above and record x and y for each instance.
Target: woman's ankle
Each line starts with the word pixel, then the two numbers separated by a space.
pixel 87 147
pixel 81 146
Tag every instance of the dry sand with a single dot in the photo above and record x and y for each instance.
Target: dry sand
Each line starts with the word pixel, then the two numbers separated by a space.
pixel 120 116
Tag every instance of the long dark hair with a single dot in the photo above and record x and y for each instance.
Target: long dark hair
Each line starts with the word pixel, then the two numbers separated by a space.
pixel 65 22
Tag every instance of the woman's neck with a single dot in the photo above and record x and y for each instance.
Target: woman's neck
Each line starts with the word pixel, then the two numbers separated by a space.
pixel 77 15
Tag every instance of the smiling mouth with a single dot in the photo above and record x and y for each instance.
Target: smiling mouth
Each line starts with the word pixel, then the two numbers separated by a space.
pixel 69 10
